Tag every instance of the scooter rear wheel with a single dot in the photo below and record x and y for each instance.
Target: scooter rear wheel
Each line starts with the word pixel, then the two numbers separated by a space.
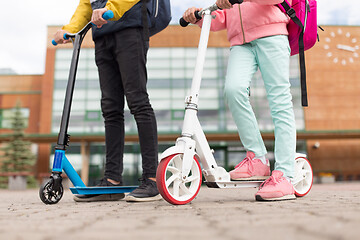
pixel 303 177
pixel 172 187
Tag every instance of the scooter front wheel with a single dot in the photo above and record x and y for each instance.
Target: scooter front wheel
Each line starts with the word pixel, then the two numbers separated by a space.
pixel 48 194
pixel 172 187
pixel 303 177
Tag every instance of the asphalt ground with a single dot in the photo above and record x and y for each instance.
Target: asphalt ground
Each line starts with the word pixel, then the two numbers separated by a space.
pixel 329 212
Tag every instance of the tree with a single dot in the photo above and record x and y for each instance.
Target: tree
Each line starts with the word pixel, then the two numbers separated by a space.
pixel 17 155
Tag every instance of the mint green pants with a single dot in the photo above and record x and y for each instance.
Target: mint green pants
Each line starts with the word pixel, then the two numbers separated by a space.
pixel 271 55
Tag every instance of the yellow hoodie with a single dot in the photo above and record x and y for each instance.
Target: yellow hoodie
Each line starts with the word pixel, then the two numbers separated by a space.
pixel 83 13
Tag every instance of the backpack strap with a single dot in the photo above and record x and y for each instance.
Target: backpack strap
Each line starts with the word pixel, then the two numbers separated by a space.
pixel 292 14
pixel 145 21
pixel 304 100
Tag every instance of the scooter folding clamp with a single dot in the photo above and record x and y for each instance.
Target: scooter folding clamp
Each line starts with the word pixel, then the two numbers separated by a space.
pixel 191 106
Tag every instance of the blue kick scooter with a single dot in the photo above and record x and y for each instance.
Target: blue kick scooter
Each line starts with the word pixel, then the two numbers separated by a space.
pixel 52 190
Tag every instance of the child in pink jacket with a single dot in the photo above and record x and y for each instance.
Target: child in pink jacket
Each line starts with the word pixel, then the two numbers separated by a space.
pixel 257 32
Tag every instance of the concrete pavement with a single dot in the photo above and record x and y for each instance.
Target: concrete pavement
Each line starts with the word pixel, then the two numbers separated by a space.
pixel 329 212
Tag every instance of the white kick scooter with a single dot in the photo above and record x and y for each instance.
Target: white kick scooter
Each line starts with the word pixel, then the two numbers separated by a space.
pixel 179 175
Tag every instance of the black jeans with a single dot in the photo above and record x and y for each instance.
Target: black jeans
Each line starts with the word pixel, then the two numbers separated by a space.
pixel 121 61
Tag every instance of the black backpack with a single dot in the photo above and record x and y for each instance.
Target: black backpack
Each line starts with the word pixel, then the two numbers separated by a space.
pixel 158 17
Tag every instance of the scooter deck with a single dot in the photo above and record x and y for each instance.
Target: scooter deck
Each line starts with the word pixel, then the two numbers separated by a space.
pixel 235 184
pixel 101 190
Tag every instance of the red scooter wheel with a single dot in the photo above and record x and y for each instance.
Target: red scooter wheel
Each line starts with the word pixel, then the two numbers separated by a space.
pixel 303 179
pixel 172 187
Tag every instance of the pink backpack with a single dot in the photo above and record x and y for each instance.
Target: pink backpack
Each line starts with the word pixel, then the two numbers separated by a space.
pixel 302 30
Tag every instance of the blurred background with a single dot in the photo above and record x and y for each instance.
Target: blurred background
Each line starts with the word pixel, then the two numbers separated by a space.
pixel 34 74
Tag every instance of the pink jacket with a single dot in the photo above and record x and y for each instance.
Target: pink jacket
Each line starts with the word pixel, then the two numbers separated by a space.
pixel 250 20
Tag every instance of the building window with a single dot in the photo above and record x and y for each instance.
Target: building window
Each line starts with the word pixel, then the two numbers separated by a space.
pixel 170 72
pixel 93 115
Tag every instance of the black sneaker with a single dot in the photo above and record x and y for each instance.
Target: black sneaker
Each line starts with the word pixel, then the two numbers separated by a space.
pixel 100 197
pixel 146 192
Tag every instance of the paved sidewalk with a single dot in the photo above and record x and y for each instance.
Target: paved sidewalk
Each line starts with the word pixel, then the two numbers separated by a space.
pixel 329 212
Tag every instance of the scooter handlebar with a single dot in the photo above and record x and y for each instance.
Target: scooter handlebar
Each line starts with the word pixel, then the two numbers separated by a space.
pixel 107 15
pixel 198 14
pixel 235 1
pixel 55 43
pixel 184 23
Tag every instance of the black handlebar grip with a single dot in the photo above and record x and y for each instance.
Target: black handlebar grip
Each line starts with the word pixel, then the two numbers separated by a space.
pixel 184 23
pixel 198 17
pixel 235 1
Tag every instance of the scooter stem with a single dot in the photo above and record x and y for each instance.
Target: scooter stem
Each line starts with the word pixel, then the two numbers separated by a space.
pixel 192 100
pixel 63 137
pixel 200 60
pixel 191 127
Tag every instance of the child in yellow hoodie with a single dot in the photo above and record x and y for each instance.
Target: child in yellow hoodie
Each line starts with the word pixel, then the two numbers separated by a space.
pixel 120 54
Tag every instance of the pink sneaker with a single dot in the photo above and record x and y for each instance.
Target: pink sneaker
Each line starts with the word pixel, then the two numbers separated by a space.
pixel 275 188
pixel 251 169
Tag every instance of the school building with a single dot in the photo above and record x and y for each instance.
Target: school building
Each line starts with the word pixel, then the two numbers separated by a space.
pixel 328 130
